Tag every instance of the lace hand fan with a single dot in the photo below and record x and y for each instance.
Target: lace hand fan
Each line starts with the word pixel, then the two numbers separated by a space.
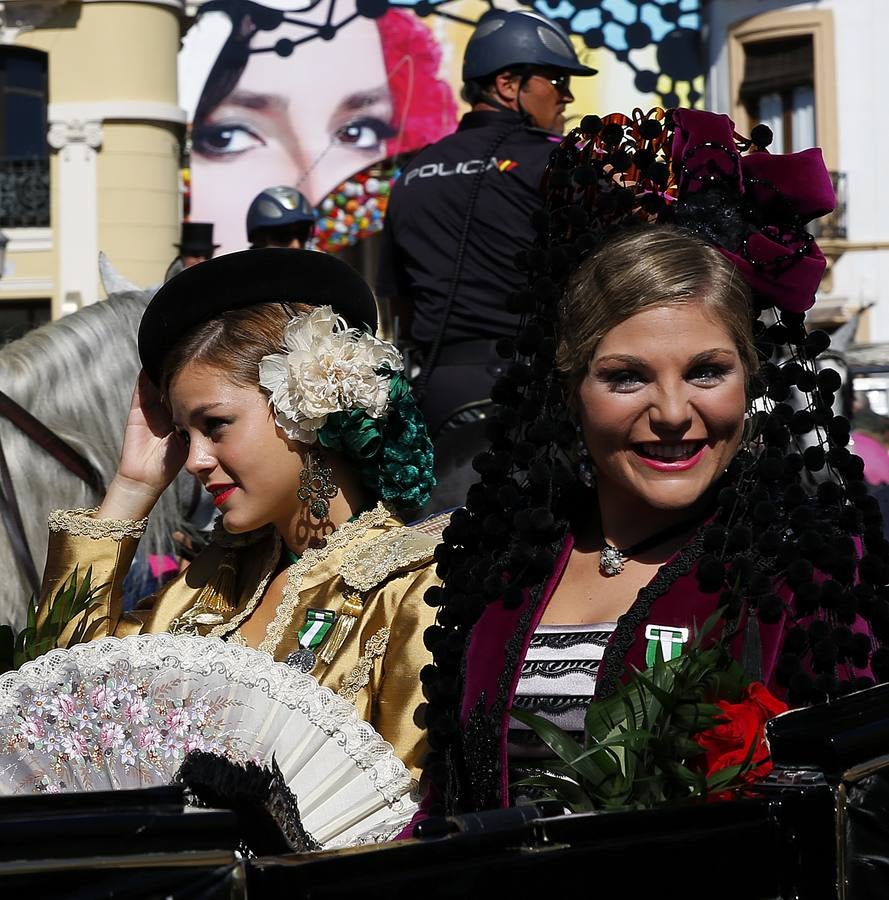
pixel 123 713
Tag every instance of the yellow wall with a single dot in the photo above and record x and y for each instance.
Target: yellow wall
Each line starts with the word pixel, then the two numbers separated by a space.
pixel 138 199
pixel 110 51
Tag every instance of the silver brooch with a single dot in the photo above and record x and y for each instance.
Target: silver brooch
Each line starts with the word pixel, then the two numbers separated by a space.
pixel 303 660
pixel 611 560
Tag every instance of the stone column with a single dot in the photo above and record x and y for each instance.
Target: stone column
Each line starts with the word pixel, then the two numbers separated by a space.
pixel 76 142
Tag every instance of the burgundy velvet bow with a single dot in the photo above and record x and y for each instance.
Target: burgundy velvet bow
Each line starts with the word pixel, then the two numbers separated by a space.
pixel 776 195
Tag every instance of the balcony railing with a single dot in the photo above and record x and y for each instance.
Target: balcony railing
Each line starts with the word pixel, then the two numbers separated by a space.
pixel 24 193
pixel 832 227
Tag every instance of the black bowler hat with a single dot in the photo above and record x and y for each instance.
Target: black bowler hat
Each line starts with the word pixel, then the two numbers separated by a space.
pixel 196 239
pixel 246 278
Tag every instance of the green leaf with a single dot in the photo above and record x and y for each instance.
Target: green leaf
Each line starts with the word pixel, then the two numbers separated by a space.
pixel 632 742
pixel 552 788
pixel 76 597
pixel 724 778
pixel 685 748
pixel 695 717
pixel 603 716
pixel 31 621
pixel 682 774
pixel 566 748
pixel 654 685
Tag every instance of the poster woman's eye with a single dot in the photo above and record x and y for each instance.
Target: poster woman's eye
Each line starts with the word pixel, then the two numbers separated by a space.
pixel 365 133
pixel 225 140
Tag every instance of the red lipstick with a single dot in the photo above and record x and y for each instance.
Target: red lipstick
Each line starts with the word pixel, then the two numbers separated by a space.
pixel 221 493
pixel 673 465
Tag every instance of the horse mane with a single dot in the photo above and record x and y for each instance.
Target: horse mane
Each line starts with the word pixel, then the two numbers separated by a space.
pixel 76 375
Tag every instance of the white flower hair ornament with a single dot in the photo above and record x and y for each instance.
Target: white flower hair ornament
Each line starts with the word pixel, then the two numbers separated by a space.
pixel 328 368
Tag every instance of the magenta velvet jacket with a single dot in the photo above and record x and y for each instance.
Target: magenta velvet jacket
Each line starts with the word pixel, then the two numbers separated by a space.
pixel 500 639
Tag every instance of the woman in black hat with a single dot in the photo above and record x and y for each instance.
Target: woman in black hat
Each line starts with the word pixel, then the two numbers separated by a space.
pixel 261 375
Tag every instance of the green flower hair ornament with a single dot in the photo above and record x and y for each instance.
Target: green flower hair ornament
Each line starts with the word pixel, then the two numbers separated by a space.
pixel 393 453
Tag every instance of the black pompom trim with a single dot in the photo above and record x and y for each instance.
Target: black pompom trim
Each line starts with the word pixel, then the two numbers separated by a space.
pixel 711 574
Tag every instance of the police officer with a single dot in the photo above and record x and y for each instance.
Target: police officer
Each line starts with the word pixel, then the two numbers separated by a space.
pixel 280 217
pixel 457 217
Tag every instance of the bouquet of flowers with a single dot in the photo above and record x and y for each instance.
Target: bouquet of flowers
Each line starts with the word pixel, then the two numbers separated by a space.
pixel 690 727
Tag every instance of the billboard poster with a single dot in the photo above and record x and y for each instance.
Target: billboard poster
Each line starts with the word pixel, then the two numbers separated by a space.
pixel 329 96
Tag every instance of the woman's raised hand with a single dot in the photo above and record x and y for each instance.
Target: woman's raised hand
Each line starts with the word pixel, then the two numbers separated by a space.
pixel 151 457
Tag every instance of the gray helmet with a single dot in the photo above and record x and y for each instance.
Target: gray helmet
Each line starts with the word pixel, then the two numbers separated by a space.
pixel 276 207
pixel 522 37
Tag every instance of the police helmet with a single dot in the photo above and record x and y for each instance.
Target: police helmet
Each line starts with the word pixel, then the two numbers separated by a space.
pixel 276 207
pixel 521 37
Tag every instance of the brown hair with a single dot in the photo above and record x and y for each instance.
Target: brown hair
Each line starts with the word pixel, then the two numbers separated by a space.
pixel 650 267
pixel 234 342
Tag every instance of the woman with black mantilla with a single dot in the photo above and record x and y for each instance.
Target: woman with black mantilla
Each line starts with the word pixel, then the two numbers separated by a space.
pixel 635 373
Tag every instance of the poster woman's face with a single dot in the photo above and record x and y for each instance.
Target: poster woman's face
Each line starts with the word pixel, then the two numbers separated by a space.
pixel 309 120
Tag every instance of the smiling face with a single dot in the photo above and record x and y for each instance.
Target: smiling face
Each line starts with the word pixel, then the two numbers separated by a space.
pixel 235 449
pixel 662 406
pixel 284 123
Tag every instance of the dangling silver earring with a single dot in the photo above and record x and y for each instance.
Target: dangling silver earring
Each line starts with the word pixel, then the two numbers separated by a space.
pixel 585 471
pixel 316 485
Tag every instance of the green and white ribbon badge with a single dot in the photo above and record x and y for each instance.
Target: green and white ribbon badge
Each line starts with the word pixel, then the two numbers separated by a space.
pixel 668 638
pixel 318 623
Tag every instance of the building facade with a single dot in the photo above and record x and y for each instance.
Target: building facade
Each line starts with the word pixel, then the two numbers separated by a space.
pixel 90 149
pixel 813 72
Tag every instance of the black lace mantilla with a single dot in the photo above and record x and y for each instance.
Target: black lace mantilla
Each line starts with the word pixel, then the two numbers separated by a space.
pixel 625 632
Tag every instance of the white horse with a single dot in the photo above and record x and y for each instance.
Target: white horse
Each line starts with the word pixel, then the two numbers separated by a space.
pixel 76 376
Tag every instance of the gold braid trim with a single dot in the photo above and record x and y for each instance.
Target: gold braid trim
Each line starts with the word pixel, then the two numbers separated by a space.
pixel 353 606
pixel 271 561
pixel 344 535
pixel 197 615
pixel 358 678
pixel 219 595
pixel 82 523
pixel 370 563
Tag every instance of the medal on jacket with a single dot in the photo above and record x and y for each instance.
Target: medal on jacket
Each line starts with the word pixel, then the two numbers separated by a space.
pixel 310 636
pixel 667 639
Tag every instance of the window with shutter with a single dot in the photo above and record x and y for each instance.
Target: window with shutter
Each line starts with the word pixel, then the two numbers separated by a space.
pixel 779 90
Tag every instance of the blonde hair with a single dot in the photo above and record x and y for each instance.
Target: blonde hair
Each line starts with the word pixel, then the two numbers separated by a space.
pixel 656 266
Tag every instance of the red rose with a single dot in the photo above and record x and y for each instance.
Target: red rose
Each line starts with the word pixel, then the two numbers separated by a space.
pixel 728 743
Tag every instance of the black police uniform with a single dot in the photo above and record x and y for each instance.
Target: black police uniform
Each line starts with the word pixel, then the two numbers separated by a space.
pixel 424 222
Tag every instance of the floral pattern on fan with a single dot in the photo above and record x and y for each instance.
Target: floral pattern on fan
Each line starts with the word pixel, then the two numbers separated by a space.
pixel 124 719
pixel 121 713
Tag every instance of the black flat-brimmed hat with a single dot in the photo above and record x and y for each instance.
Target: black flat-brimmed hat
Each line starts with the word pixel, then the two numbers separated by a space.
pixel 247 278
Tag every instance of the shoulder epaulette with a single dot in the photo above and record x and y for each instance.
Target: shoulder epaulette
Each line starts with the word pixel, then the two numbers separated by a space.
pixel 370 563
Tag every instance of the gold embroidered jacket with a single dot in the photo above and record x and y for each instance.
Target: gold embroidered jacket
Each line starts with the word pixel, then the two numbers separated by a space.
pixel 375 564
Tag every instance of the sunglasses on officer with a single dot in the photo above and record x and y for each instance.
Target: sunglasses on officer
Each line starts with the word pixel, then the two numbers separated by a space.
pixel 561 81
